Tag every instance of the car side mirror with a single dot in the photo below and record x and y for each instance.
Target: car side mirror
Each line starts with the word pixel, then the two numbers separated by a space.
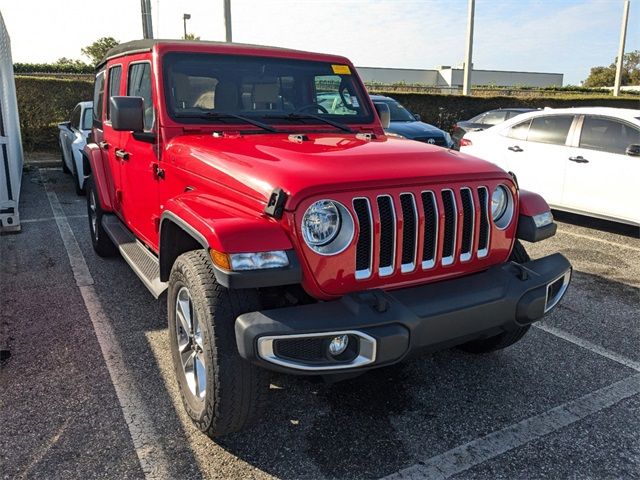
pixel 417 117
pixel 384 113
pixel 633 150
pixel 127 113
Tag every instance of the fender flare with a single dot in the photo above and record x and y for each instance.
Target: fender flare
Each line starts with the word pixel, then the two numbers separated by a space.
pixel 94 155
pixel 192 221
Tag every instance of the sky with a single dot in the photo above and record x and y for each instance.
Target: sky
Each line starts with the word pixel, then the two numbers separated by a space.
pixel 561 36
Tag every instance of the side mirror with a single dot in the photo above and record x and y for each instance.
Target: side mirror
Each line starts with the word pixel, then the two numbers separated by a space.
pixel 127 113
pixel 633 150
pixel 417 117
pixel 384 113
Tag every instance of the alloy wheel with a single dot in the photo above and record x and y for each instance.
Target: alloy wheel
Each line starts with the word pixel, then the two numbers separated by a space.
pixel 190 344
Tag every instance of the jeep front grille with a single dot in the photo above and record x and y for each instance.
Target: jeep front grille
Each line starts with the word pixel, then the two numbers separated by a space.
pixel 463 216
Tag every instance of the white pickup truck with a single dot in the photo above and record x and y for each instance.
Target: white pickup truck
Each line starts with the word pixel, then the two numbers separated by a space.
pixel 72 138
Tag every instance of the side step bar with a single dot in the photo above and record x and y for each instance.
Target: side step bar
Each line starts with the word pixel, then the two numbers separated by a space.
pixel 141 260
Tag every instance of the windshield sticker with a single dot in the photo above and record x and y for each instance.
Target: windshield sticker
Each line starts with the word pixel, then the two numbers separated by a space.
pixel 341 69
pixel 354 101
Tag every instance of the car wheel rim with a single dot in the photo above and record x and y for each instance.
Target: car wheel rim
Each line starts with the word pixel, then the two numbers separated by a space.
pixel 93 214
pixel 190 344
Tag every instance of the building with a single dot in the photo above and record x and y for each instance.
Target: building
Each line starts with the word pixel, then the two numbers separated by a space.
pixel 451 77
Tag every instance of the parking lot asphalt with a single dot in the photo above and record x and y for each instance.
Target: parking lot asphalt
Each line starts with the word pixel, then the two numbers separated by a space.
pixel 88 389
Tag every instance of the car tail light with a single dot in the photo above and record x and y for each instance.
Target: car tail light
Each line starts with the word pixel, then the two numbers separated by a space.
pixel 465 142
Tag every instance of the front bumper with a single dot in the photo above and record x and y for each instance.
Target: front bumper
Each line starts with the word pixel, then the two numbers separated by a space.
pixel 385 327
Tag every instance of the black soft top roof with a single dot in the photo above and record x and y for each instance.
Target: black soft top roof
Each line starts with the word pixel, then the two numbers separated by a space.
pixel 147 44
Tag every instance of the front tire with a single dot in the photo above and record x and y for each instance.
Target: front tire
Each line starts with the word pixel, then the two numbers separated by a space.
pixel 101 242
pixel 221 392
pixel 505 339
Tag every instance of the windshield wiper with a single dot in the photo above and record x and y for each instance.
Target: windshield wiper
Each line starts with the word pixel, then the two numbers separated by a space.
pixel 223 115
pixel 308 116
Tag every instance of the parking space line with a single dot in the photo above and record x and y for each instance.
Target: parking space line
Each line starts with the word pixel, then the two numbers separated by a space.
pixel 143 435
pixel 469 455
pixel 599 240
pixel 597 349
pixel 48 219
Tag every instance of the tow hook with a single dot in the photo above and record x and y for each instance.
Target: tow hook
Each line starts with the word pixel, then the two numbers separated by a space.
pixel 523 272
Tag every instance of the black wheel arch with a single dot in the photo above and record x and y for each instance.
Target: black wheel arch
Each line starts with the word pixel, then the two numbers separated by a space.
pixel 176 238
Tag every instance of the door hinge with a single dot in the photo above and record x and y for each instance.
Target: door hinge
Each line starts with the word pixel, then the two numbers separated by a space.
pixel 158 172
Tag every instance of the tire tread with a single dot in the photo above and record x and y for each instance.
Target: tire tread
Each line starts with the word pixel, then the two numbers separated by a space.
pixel 240 388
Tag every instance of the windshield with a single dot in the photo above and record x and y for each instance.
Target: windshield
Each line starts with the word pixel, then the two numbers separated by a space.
pixel 398 112
pixel 266 89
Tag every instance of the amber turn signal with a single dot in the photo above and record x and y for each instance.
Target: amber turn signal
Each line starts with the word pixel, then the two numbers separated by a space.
pixel 220 259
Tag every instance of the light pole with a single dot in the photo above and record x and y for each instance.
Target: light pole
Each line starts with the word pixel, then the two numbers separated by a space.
pixel 623 35
pixel 468 62
pixel 185 17
pixel 227 20
pixel 147 25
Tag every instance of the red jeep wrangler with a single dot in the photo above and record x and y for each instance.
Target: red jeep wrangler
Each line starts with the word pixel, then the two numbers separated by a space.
pixel 256 185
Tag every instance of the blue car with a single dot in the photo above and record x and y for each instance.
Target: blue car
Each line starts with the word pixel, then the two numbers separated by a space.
pixel 408 125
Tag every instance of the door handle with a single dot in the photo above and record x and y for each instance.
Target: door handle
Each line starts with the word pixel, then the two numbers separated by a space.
pixel 104 145
pixel 579 159
pixel 515 148
pixel 121 154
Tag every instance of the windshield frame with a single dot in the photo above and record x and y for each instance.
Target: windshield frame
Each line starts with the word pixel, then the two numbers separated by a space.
pixel 356 88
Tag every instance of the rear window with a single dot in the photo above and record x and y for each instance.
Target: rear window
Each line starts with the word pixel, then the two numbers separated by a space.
pixel 494 118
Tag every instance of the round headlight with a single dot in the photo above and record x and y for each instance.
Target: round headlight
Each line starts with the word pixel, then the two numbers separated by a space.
pixel 321 223
pixel 498 203
pixel 501 207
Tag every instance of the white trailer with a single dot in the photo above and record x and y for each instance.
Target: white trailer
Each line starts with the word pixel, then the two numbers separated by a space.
pixel 10 141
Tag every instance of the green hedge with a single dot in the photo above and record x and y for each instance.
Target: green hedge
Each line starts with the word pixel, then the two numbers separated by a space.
pixel 43 103
pixel 444 111
pixel 52 68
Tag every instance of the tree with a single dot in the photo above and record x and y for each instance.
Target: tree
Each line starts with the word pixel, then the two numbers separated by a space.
pixel 98 49
pixel 190 36
pixel 64 61
pixel 605 76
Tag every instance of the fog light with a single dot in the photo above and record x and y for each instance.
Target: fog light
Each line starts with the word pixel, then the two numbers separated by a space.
pixel 338 345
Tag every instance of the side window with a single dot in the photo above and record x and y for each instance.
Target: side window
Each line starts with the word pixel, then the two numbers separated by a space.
pixel 494 118
pixel 139 85
pixel 607 135
pixel 115 75
pixel 550 129
pixel 75 117
pixel 98 98
pixel 519 131
pixel 86 119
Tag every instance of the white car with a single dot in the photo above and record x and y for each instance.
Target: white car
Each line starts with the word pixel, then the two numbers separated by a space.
pixel 73 138
pixel 583 160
